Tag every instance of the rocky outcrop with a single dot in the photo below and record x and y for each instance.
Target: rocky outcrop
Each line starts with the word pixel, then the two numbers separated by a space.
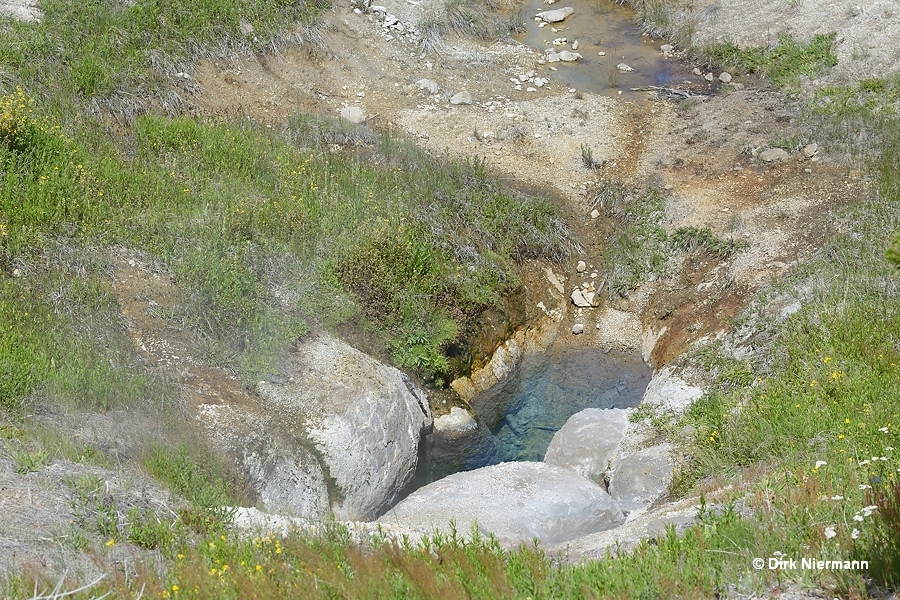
pixel 587 442
pixel 638 479
pixel 363 418
pixel 516 502
pixel 285 477
pixel 669 392
pixel 602 444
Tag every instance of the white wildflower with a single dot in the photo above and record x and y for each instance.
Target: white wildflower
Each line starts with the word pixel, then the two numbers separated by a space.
pixel 863 462
pixel 867 487
pixel 857 518
pixel 869 510
pixel 883 429
pixel 854 534
pixel 837 497
pixel 820 463
pixel 830 532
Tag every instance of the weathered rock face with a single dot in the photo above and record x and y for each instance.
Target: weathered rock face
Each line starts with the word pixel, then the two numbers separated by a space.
pixel 669 392
pixel 286 477
pixel 587 442
pixel 459 422
pixel 364 418
pixel 641 477
pixel 515 501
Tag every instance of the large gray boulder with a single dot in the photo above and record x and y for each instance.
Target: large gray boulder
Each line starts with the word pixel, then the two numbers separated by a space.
pixel 587 442
pixel 670 393
pixel 364 419
pixel 285 477
pixel 517 502
pixel 640 478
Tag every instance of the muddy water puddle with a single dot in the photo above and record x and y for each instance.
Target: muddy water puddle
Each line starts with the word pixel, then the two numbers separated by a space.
pixel 602 26
pixel 518 418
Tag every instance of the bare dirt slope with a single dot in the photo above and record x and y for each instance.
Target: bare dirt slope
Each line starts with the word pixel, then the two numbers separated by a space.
pixel 867 31
pixel 704 155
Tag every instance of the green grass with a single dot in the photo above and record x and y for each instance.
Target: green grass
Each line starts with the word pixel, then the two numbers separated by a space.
pixel 782 63
pixel 637 248
pixel 414 245
pixel 125 55
pixel 817 403
pixel 689 239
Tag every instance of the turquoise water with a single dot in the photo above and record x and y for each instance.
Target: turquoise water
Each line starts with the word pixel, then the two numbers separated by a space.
pixel 517 419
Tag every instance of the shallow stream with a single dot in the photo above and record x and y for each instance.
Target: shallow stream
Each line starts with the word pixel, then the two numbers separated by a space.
pixel 603 26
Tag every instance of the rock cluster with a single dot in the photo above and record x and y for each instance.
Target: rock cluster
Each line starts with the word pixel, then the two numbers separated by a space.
pixel 391 25
pixel 529 77
pixel 599 471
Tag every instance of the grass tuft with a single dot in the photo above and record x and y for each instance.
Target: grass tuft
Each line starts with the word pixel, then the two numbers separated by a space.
pixel 781 63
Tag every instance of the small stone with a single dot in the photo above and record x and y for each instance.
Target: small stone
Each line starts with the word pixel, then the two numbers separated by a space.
pixel 774 155
pixel 709 77
pixel 461 98
pixel 725 77
pixel 569 56
pixel 458 422
pixel 601 54
pixel 354 114
pixel 578 328
pixel 530 89
pixel 555 16
pixel 737 86
pixel 810 150
pixel 697 72
pixel 579 299
pixel 575 45
pixel 581 267
pixel 624 68
pixel 427 85
pixel 666 48
pixel 595 213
